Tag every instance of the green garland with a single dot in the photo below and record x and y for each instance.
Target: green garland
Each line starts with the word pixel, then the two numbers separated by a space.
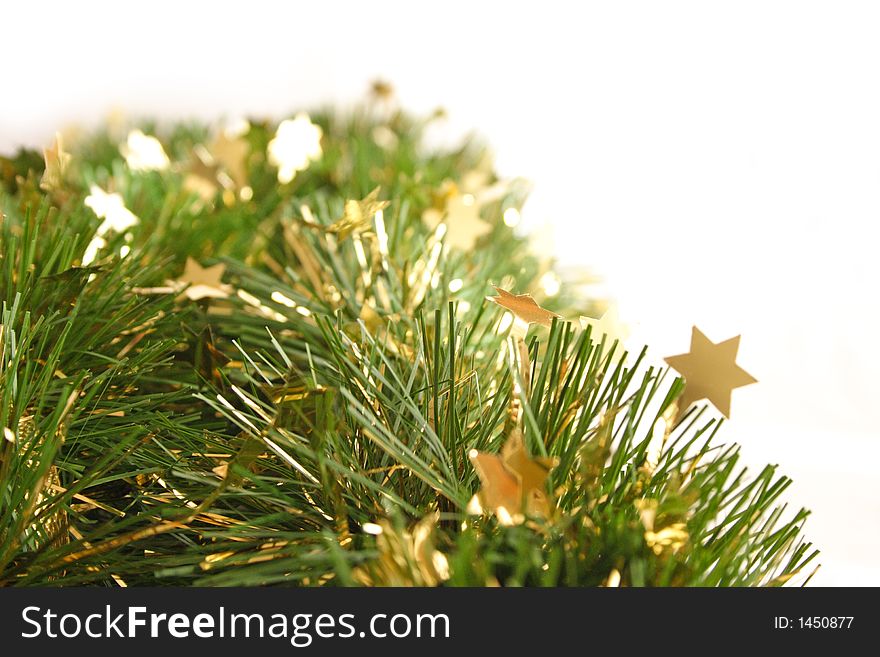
pixel 303 414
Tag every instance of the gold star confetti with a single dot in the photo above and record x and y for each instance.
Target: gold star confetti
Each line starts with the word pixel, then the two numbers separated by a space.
pixel 231 152
pixel 201 175
pixel 611 327
pixel 358 215
pixel 297 142
pixel 710 371
pixel 512 482
pixel 203 282
pixel 143 152
pixel 111 208
pixel 523 307
pixel 56 164
pixel 672 537
pixel 220 165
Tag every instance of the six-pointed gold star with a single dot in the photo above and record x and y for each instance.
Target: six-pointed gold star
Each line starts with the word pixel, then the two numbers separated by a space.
pixel 523 306
pixel 710 371
pixel 203 282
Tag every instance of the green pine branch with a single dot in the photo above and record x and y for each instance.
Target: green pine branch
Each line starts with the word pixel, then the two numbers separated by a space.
pixel 268 437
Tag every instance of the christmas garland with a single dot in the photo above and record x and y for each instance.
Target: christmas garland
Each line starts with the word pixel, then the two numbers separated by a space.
pixel 263 353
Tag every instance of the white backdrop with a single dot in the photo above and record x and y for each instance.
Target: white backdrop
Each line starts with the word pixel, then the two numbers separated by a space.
pixel 717 163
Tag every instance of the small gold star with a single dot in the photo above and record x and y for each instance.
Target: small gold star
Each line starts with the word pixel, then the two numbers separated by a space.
pixel 203 282
pixel 512 482
pixel 144 152
pixel 357 216
pixel 297 142
pixel 231 153
pixel 111 208
pixel 710 371
pixel 523 306
pixel 219 165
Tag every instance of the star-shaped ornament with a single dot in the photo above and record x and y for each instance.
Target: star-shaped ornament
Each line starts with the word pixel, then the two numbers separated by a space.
pixel 203 282
pixel 513 483
pixel 144 152
pixel 111 208
pixel 357 217
pixel 221 165
pixel 710 371
pixel 524 308
pixel 231 152
pixel 201 175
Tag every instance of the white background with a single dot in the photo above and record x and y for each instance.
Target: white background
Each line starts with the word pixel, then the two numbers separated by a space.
pixel 717 163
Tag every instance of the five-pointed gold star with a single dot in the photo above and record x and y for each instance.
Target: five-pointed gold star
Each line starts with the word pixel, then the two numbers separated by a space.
pixel 231 153
pixel 523 306
pixel 220 165
pixel 203 282
pixel 710 371
pixel 512 482
pixel 357 217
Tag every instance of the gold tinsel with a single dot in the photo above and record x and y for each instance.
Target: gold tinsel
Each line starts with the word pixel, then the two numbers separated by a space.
pixel 406 557
pixel 53 529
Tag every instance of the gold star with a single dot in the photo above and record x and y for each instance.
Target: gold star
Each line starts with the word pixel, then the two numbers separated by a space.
pixel 111 208
pixel 710 371
pixel 512 482
pixel 358 215
pixel 144 152
pixel 523 306
pixel 56 164
pixel 203 282
pixel 222 164
pixel 231 153
pixel 297 143
pixel 201 174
